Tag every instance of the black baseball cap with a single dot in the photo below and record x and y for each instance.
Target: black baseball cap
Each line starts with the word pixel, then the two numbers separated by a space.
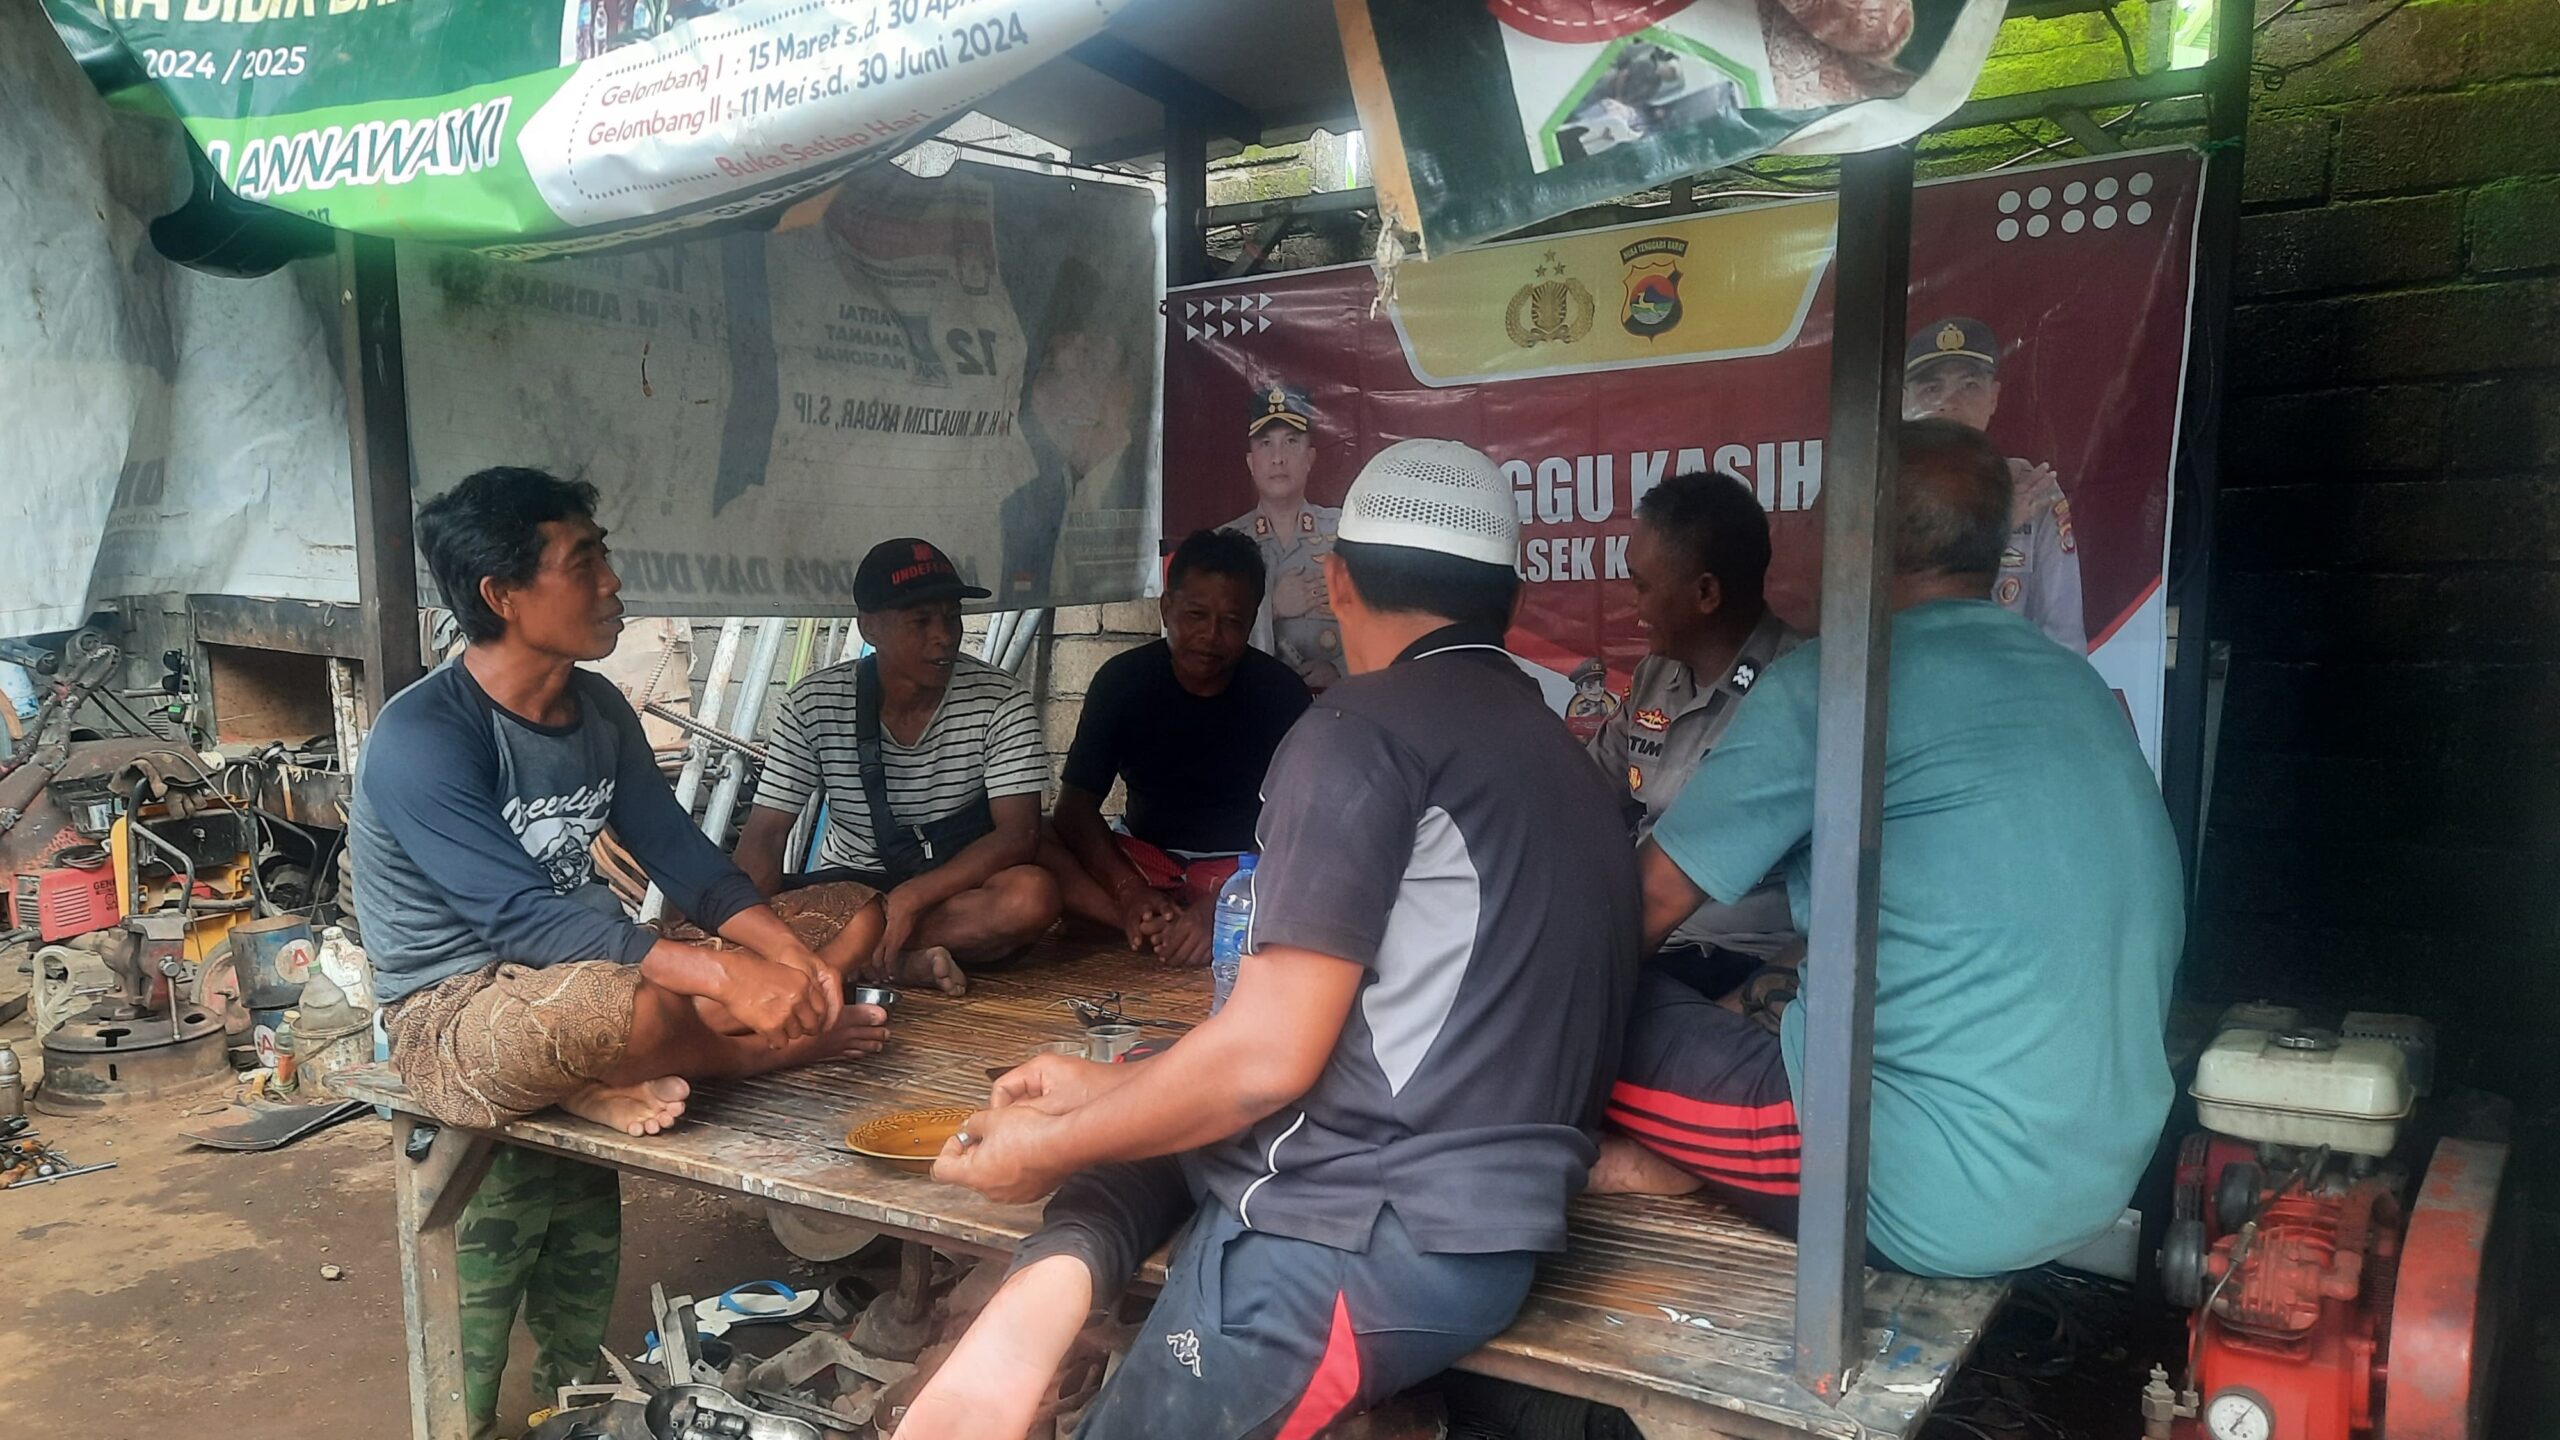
pixel 1278 403
pixel 1958 337
pixel 908 571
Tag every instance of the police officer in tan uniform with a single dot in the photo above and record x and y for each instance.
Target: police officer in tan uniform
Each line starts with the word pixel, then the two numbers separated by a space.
pixel 1951 370
pixel 1296 622
pixel 1698 560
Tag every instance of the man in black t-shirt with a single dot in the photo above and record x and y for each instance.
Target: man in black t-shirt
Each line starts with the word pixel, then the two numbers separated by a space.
pixel 1378 1134
pixel 1190 723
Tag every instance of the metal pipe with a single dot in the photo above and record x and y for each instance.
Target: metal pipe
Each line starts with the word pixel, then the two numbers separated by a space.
pixel 2188 714
pixel 1872 267
pixel 715 698
pixel 715 695
pixel 733 773
pixel 1018 645
pixel 1000 627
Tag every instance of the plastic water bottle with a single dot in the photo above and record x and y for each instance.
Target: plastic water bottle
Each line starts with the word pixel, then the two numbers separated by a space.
pixel 1227 937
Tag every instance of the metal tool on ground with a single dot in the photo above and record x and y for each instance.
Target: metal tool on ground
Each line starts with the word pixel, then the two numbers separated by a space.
pixel 1107 1011
pixel 704 1412
pixel 26 1160
pixel 145 1040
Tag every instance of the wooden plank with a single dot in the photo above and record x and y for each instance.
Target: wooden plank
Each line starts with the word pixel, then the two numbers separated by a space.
pixel 257 622
pixel 431 1194
pixel 1594 1325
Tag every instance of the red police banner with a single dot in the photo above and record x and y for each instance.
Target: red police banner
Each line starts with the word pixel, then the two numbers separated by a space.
pixel 2048 308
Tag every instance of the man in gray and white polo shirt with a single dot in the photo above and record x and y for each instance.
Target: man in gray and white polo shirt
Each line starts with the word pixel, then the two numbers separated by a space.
pixel 1698 560
pixel 1381 1130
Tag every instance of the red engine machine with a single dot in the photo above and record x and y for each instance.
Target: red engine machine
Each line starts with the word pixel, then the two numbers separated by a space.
pixel 2348 1276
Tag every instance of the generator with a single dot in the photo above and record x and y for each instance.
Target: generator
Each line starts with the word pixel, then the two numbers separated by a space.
pixel 2347 1257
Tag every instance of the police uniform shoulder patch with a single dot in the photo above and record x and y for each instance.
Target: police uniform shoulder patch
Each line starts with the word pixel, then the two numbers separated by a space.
pixel 2062 522
pixel 1635 779
pixel 2009 590
pixel 2013 558
pixel 1652 719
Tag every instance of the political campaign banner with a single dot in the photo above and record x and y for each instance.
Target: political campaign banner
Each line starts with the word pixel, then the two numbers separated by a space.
pixel 970 359
pixel 2048 307
pixel 543 126
pixel 1489 115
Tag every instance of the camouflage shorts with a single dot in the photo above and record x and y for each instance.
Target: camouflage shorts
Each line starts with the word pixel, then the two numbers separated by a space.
pixel 491 1047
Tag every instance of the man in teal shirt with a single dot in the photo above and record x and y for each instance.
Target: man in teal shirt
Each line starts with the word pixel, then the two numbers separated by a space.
pixel 2029 924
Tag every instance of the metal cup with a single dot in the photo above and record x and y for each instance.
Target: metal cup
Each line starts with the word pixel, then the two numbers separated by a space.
pixel 1108 1043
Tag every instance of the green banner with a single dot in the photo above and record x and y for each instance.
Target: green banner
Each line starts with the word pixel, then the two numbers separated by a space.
pixel 537 127
pixel 1492 115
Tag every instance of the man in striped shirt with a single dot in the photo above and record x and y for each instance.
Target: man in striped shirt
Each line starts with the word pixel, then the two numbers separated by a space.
pixel 950 876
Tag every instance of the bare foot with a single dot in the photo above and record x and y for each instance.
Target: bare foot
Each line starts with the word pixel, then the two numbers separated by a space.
pixel 1007 1362
pixel 642 1109
pixel 1627 1168
pixel 933 966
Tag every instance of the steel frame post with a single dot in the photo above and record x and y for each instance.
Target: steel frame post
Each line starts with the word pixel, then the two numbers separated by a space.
pixel 2184 740
pixel 1870 286
pixel 1186 198
pixel 376 380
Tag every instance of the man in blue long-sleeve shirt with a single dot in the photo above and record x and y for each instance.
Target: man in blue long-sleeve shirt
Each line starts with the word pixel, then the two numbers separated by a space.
pixel 511 979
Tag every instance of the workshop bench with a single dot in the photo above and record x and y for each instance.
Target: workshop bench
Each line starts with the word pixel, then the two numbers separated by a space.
pixel 1678 1311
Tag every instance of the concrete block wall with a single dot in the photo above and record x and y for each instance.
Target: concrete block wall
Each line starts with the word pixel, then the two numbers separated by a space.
pixel 2385 830
pixel 1082 637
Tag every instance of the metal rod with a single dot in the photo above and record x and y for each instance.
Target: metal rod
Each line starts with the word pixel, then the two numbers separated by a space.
pixel 715 694
pixel 2095 95
pixel 1872 266
pixel 999 630
pixel 376 382
pixel 697 729
pixel 1186 194
pixel 1322 202
pixel 1018 644
pixel 2185 718
pixel 733 774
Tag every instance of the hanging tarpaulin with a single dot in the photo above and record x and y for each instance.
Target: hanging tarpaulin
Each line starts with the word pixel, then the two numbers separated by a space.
pixel 529 127
pixel 1488 115
pixel 969 358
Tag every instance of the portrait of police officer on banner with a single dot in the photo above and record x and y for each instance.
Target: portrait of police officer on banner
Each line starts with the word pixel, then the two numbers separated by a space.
pixel 1296 622
pixel 1951 371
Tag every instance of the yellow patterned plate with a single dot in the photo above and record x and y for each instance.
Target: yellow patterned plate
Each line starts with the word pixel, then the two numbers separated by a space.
pixel 909 1139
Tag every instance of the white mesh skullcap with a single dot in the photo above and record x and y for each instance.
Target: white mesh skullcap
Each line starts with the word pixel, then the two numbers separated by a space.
pixel 1435 495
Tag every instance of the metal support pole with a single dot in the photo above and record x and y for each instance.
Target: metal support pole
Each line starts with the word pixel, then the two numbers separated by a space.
pixel 369 363
pixel 698 752
pixel 2184 736
pixel 1186 197
pixel 733 776
pixel 1871 280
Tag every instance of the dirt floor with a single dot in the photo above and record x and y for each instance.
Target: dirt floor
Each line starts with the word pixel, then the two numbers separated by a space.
pixel 181 1293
